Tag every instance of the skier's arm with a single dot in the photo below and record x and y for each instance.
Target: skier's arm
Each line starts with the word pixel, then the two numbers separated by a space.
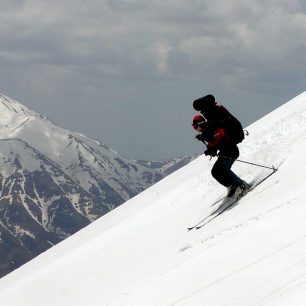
pixel 218 135
pixel 204 137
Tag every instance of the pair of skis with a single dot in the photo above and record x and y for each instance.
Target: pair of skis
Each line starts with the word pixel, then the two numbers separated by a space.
pixel 227 203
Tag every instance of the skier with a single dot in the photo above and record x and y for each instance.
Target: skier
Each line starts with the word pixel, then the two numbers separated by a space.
pixel 219 143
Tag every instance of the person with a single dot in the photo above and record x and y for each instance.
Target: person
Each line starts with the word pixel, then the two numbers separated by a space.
pixel 219 144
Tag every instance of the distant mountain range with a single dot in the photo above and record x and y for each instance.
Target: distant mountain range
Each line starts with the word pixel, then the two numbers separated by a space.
pixel 168 166
pixel 53 182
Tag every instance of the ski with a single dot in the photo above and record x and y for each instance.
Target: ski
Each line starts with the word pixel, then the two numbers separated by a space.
pixel 200 222
pixel 227 204
pixel 214 203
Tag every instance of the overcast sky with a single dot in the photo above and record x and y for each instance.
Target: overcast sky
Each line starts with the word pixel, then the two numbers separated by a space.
pixel 126 71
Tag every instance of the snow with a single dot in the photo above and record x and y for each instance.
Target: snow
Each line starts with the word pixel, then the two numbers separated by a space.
pixel 142 254
pixel 20 232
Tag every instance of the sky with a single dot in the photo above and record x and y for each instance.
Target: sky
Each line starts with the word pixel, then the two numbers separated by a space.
pixel 126 72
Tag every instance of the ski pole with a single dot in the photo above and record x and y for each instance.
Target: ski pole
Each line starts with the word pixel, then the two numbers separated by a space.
pixel 246 162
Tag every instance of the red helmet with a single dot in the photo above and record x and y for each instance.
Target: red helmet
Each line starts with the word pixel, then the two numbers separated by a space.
pixel 198 121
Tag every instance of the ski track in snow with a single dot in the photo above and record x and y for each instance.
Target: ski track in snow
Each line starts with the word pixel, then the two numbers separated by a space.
pixel 224 233
pixel 183 300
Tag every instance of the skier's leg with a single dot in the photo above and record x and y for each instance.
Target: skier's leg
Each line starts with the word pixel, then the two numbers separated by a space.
pixel 222 173
pixel 221 170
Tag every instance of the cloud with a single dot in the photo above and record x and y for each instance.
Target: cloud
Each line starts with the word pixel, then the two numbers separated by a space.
pixel 118 49
pixel 147 39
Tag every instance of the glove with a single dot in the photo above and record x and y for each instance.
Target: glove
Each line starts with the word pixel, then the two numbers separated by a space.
pixel 210 152
pixel 199 137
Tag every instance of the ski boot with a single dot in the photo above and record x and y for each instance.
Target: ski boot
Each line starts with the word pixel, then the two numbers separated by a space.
pixel 241 190
pixel 231 190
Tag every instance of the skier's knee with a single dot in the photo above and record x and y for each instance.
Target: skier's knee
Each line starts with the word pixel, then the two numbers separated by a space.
pixel 215 172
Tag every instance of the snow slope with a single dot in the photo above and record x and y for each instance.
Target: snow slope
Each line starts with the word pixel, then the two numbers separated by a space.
pixel 142 254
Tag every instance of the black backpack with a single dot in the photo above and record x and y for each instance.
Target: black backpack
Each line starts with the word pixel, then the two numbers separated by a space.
pixel 220 118
pixel 234 129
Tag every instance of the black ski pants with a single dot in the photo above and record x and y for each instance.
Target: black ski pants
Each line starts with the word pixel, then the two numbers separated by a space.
pixel 221 170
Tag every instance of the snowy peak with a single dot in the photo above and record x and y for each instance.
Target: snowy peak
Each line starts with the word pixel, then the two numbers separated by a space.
pixel 12 110
pixel 142 254
pixel 8 105
pixel 15 117
pixel 54 182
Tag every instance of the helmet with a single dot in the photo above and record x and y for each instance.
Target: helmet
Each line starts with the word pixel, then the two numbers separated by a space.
pixel 204 102
pixel 198 121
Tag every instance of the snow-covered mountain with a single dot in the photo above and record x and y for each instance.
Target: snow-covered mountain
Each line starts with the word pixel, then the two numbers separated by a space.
pixel 142 254
pixel 53 182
